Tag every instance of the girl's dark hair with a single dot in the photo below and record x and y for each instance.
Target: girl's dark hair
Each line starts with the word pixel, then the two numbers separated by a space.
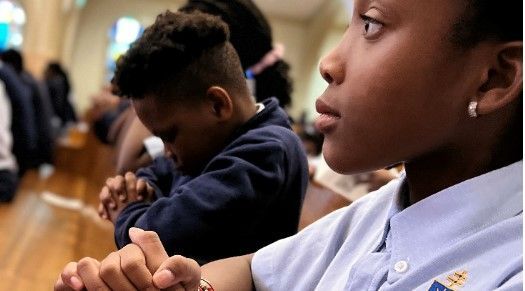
pixel 251 36
pixel 484 20
pixel 488 20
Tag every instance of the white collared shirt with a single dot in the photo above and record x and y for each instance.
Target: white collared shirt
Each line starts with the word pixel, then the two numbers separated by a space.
pixel 469 234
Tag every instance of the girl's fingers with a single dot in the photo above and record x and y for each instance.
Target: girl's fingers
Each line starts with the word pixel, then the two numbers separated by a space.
pixel 133 265
pixel 89 271
pixel 178 270
pixel 112 274
pixel 150 244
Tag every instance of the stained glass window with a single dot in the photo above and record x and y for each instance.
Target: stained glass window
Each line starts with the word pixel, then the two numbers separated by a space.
pixel 12 20
pixel 123 32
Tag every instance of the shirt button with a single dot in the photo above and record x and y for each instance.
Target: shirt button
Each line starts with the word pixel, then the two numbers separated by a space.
pixel 401 266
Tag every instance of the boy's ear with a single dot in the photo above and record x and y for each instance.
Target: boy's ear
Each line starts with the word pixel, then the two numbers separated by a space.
pixel 503 78
pixel 221 103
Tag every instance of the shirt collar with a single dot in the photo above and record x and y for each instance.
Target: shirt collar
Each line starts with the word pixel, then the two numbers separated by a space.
pixel 259 107
pixel 454 213
pixel 395 206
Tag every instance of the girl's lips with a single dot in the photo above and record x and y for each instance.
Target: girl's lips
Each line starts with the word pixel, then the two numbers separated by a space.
pixel 322 108
pixel 327 121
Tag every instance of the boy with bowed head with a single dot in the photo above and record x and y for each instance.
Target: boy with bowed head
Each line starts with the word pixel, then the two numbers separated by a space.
pixel 446 89
pixel 237 173
pixel 266 71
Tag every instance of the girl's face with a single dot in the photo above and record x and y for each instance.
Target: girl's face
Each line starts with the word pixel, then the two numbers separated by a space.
pixel 398 89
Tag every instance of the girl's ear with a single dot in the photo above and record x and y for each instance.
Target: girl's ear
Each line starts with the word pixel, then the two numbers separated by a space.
pixel 220 102
pixel 503 79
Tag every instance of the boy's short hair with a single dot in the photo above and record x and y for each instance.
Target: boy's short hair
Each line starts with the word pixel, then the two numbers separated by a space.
pixel 179 57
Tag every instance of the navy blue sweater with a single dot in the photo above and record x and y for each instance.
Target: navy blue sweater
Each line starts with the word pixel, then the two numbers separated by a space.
pixel 25 134
pixel 247 196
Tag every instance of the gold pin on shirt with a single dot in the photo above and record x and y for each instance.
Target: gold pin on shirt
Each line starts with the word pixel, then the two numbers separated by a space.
pixel 455 280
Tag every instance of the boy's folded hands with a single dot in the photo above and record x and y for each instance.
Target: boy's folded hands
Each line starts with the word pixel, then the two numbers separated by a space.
pixel 120 191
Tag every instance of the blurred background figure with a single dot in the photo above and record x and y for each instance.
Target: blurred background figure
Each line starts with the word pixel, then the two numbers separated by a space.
pixel 59 88
pixel 23 125
pixel 312 142
pixel 108 115
pixel 102 102
pixel 352 187
pixel 42 108
pixel 8 167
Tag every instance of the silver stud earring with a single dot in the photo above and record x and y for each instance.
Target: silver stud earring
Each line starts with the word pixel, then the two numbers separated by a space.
pixel 472 109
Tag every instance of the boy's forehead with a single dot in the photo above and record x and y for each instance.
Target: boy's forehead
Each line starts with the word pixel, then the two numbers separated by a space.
pixel 149 110
pixel 152 104
pixel 160 115
pixel 161 124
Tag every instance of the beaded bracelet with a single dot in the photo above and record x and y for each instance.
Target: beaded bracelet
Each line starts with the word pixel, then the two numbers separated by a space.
pixel 205 286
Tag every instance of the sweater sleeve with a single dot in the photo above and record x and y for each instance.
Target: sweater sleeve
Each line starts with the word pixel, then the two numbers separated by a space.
pixel 162 176
pixel 235 186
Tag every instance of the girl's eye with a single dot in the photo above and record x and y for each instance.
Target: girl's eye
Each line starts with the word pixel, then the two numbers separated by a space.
pixel 371 28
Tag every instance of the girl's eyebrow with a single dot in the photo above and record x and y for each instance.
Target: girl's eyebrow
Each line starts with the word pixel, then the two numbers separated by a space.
pixel 378 4
pixel 385 7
